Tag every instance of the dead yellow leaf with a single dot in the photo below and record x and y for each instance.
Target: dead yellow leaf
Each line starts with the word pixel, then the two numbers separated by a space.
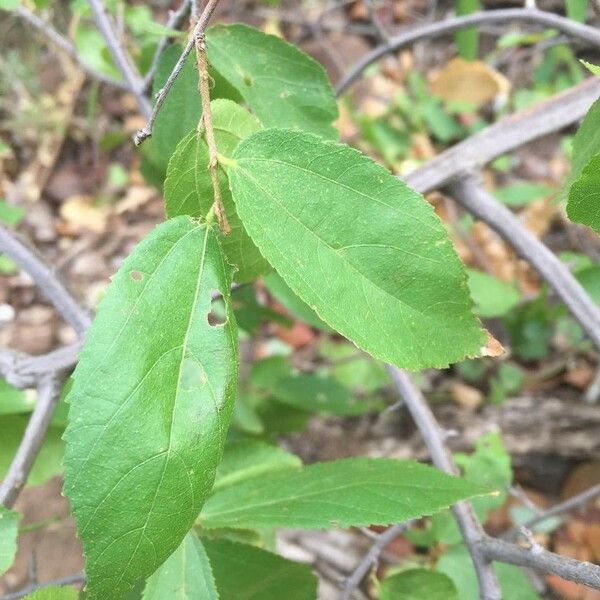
pixel 469 81
pixel 80 213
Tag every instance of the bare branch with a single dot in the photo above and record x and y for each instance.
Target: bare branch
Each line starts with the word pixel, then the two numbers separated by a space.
pixel 120 56
pixel 470 194
pixel 539 559
pixel 25 371
pixel 213 162
pixel 48 395
pixel 431 30
pixel 74 579
pixel 372 557
pixel 65 45
pixel 571 504
pixel 199 28
pixel 175 20
pixel 506 135
pixel 470 527
pixel 28 260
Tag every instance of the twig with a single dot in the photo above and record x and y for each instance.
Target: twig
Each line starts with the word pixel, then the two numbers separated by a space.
pixel 28 259
pixel 69 580
pixel 540 559
pixel 24 371
pixel 199 28
pixel 469 193
pixel 372 557
pixel 65 45
pixel 506 135
pixel 377 24
pixel 213 162
pixel 470 527
pixel 175 20
pixel 562 507
pixel 431 30
pixel 592 394
pixel 35 432
pixel 120 56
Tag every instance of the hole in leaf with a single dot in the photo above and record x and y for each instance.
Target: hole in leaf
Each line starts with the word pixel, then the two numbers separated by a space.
pixel 136 275
pixel 217 315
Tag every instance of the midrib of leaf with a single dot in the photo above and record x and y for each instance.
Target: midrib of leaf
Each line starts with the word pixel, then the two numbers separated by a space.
pixel 339 251
pixel 122 406
pixel 309 496
pixel 169 449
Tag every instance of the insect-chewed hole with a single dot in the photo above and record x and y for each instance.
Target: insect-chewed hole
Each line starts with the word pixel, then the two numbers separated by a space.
pixel 217 316
pixel 136 275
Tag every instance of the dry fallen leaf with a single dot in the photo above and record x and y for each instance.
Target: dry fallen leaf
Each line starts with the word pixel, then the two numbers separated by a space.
pixel 80 213
pixel 466 396
pixel 469 81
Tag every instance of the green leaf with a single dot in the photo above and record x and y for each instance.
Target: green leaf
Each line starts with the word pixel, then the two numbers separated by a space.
pixel 279 289
pixel 358 246
pixel 186 575
pixel 9 5
pixel 489 465
pixel 180 112
pixel 589 278
pixel 150 405
pixel 14 401
pixel 319 393
pixel 244 572
pixel 189 191
pixel 244 459
pixel 282 86
pixel 91 47
pixel 595 69
pixel 418 584
pixel 519 194
pixel 345 493
pixel 577 10
pixel 584 196
pixel 586 143
pixel 10 214
pixel 48 462
pixel 467 39
pixel 492 296
pixel 457 564
pixel 9 529
pixel 54 593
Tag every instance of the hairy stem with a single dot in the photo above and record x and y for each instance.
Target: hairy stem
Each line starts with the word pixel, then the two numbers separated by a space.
pixel 213 159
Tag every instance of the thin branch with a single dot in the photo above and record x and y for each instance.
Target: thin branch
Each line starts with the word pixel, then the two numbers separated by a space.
pixel 28 260
pixel 175 20
pixel 434 30
pixel 470 194
pixel 199 28
pixel 382 33
pixel 48 395
pixel 74 579
pixel 65 45
pixel 470 527
pixel 120 56
pixel 213 162
pixel 24 371
pixel 372 557
pixel 506 135
pixel 562 507
pixel 538 558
